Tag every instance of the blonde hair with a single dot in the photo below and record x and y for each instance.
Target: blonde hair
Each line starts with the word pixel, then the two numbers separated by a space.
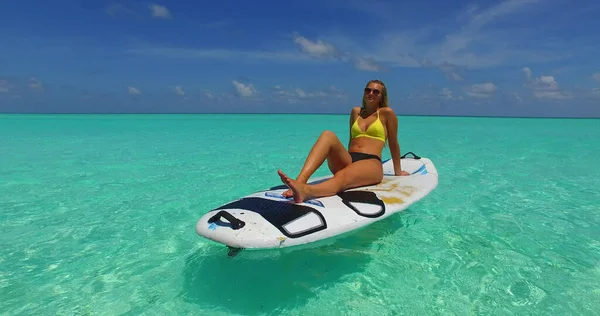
pixel 384 95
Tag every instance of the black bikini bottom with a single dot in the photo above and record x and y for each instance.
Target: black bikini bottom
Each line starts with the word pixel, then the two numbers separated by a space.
pixel 361 156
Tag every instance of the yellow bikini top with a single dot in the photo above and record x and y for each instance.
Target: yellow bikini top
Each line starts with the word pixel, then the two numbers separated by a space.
pixel 375 130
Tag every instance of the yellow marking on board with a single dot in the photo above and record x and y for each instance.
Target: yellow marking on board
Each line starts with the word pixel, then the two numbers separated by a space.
pixel 392 186
pixel 392 200
pixel 405 190
pixel 281 240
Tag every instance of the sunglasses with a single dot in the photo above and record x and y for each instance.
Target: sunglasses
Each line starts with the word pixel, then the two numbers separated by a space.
pixel 369 90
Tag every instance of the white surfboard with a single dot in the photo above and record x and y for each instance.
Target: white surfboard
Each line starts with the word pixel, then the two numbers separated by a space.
pixel 266 219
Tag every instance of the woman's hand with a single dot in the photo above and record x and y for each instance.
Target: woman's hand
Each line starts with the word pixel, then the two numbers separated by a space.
pixel 403 173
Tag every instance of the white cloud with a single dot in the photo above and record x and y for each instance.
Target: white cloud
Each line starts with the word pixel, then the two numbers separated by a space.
pixel 408 48
pixel 156 10
pixel 5 86
pixel 527 72
pixel 478 20
pixel 473 44
pixel 367 64
pixel 446 93
pixel 519 99
pixel 322 50
pixel 301 93
pixel 595 91
pixel 35 84
pixel 317 49
pixel 476 42
pixel 544 87
pixel 16 85
pixel 133 91
pixel 482 90
pixel 433 93
pixel 451 71
pixel 160 11
pixel 243 89
pixel 219 97
pixel 179 91
pixel 295 95
pixel 455 46
pixel 277 94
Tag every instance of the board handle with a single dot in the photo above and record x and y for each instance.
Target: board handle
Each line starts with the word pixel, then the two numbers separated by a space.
pixel 235 222
pixel 410 153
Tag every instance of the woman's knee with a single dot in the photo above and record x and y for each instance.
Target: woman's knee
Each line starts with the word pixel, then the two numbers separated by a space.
pixel 328 134
pixel 329 137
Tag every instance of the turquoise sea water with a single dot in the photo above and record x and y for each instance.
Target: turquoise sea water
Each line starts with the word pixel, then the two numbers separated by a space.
pixel 97 216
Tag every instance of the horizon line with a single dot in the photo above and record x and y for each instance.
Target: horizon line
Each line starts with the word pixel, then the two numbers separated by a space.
pixel 288 113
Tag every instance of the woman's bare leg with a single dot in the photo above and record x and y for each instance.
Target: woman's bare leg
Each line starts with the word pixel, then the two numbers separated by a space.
pixel 360 173
pixel 328 146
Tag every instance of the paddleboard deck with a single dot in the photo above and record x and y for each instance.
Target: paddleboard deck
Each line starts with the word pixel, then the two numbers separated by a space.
pixel 266 219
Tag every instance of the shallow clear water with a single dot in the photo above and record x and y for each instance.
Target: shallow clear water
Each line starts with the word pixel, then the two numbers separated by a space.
pixel 97 216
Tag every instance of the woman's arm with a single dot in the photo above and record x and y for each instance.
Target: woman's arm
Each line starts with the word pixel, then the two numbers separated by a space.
pixel 392 130
pixel 352 119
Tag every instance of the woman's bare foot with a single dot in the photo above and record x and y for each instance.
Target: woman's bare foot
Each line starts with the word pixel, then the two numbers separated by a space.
pixel 298 189
pixel 289 193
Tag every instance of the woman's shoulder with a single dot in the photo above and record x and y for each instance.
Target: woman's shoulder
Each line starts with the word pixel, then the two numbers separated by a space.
pixel 355 111
pixel 387 111
pixel 387 114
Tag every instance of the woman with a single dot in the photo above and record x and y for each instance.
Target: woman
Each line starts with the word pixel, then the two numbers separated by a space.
pixel 371 127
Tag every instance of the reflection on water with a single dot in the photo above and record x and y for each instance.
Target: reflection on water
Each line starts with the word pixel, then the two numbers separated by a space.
pixel 270 281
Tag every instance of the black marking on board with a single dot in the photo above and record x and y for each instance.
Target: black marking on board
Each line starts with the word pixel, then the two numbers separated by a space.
pixel 366 197
pixel 410 153
pixel 278 213
pixel 233 251
pixel 234 223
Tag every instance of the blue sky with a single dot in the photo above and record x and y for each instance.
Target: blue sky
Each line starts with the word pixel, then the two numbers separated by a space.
pixel 515 58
